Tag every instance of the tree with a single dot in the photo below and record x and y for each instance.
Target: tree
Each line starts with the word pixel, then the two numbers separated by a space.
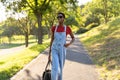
pixel 105 8
pixel 10 28
pixel 49 18
pixel 26 24
pixel 71 21
pixel 98 9
pixel 114 8
pixel 38 7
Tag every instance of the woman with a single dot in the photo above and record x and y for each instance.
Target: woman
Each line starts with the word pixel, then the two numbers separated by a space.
pixel 58 46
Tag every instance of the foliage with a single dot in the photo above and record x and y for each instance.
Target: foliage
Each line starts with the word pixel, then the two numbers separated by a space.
pixel 11 64
pixel 100 11
pixel 103 45
pixel 10 31
pixel 92 25
pixel 15 41
pixel 39 8
pixel 71 21
pixel 91 19
pixel 81 30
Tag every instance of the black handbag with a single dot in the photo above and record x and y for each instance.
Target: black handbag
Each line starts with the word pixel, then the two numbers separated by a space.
pixel 47 73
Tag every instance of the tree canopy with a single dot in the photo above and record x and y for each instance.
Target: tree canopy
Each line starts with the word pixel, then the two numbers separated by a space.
pixel 41 14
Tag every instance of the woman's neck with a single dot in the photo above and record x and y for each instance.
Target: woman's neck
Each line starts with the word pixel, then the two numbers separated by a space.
pixel 60 24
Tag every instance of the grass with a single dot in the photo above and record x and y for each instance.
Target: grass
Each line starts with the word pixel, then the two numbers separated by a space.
pixel 6 46
pixel 103 44
pixel 11 64
pixel 16 41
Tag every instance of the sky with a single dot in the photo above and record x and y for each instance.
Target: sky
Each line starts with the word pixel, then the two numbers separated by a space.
pixel 83 1
pixel 3 14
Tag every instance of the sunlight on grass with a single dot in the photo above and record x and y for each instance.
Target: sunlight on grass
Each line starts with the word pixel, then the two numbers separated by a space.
pixel 103 44
pixel 10 64
pixel 74 29
pixel 16 41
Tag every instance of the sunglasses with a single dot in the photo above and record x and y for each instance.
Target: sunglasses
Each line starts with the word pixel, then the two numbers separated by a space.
pixel 60 17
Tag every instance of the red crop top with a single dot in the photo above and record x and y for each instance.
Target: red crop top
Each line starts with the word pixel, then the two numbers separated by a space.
pixel 61 29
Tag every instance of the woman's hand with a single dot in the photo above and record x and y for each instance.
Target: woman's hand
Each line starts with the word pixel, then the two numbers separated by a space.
pixel 67 44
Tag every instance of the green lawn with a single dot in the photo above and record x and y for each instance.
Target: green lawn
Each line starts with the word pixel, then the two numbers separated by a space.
pixel 103 44
pixel 11 64
pixel 6 46
pixel 15 41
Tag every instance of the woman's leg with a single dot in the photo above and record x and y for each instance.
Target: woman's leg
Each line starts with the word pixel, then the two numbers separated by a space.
pixel 55 65
pixel 62 57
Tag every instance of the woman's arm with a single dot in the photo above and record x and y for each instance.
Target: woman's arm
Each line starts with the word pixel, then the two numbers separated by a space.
pixel 52 38
pixel 72 40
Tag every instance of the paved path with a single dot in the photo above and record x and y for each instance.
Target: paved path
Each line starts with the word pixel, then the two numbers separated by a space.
pixel 13 50
pixel 78 65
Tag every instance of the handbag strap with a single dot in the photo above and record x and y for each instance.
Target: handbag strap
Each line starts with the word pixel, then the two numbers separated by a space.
pixel 48 63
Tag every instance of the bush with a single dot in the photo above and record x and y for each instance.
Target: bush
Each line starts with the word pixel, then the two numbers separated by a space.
pixel 81 30
pixel 92 25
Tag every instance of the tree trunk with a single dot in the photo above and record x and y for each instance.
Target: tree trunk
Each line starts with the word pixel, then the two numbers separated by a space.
pixel 0 39
pixel 105 11
pixel 48 32
pixel 9 39
pixel 49 29
pixel 26 39
pixel 40 35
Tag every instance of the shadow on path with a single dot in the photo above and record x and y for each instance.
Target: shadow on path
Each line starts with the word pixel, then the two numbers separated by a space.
pixel 30 77
pixel 77 53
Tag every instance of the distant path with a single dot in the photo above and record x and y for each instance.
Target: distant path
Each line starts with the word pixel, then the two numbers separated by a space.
pixel 78 65
pixel 13 50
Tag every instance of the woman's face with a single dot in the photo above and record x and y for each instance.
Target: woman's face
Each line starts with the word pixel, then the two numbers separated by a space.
pixel 60 18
